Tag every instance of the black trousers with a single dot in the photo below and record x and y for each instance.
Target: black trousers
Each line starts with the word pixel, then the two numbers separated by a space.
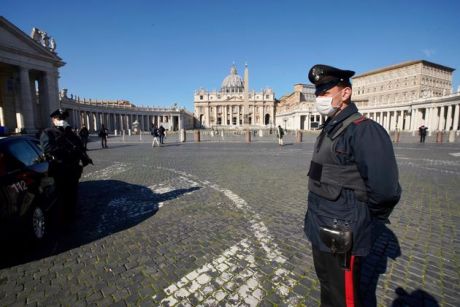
pixel 339 287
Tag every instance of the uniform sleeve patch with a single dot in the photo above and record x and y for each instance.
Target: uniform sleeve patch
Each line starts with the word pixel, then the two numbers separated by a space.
pixel 360 120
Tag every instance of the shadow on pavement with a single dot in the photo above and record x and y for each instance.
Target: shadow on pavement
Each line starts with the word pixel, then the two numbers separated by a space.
pixel 386 246
pixel 105 207
pixel 415 299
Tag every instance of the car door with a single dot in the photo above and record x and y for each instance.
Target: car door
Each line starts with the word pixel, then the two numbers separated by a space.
pixel 22 175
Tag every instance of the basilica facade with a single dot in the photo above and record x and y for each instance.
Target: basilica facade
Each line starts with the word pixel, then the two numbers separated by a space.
pixel 234 105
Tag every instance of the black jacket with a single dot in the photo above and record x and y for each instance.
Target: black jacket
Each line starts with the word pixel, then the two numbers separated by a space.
pixel 366 144
pixel 64 150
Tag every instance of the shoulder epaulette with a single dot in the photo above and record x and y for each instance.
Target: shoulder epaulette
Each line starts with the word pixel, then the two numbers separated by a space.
pixel 360 120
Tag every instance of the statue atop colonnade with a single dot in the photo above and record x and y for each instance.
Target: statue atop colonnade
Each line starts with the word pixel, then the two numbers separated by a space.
pixel 44 39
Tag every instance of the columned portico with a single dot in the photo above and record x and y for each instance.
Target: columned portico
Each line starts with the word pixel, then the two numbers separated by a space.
pixel 120 115
pixel 28 81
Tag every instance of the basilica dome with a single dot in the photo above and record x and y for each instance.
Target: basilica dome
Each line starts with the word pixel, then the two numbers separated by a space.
pixel 233 82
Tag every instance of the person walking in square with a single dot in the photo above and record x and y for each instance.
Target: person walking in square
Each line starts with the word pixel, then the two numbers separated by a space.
pixel 84 134
pixel 155 132
pixel 103 133
pixel 280 135
pixel 353 185
pixel 422 132
pixel 161 131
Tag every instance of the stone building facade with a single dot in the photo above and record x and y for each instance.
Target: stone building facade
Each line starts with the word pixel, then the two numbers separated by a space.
pixel 399 97
pixel 28 78
pixel 297 109
pixel 234 105
pixel 402 82
pixel 407 95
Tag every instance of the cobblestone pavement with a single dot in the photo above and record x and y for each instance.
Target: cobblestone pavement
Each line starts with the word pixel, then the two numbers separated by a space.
pixel 221 224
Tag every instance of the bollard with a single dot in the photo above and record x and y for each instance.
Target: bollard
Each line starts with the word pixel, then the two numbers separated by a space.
pixel 396 136
pixel 196 136
pixel 183 135
pixel 115 132
pixel 248 136
pixel 129 131
pixel 439 136
pixel 298 136
pixel 451 136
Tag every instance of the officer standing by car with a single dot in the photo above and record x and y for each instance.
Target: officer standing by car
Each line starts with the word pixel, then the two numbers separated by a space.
pixel 65 151
pixel 353 184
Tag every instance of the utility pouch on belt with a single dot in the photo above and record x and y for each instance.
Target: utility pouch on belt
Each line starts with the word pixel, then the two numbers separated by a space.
pixel 339 241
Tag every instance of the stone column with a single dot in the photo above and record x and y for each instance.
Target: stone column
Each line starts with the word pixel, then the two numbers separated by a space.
pixel 95 121
pixel 24 115
pixel 208 116
pixel 456 117
pixel 449 118
pixel 406 120
pixel 431 124
pixel 392 120
pixel 442 121
pixel 414 119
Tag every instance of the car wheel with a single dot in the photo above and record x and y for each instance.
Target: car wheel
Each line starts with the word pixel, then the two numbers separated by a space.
pixel 38 223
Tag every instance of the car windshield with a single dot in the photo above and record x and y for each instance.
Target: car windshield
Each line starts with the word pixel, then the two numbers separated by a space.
pixel 24 152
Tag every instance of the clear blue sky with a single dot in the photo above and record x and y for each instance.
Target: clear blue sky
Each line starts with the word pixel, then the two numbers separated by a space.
pixel 160 52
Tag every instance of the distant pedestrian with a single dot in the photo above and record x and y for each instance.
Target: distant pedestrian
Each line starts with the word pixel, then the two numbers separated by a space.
pixel 103 133
pixel 280 132
pixel 422 132
pixel 162 130
pixel 84 134
pixel 155 132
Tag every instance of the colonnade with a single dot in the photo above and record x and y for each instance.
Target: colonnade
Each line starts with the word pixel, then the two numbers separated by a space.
pixel 119 121
pixel 442 114
pixel 122 118
pixel 31 93
pixel 437 113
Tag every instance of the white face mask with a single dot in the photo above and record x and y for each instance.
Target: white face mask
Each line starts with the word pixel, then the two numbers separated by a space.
pixel 324 105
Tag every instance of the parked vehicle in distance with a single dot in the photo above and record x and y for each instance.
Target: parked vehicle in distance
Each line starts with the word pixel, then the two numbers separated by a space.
pixel 27 193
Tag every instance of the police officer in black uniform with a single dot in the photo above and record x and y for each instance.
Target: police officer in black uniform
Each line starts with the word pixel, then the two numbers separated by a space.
pixel 353 184
pixel 64 151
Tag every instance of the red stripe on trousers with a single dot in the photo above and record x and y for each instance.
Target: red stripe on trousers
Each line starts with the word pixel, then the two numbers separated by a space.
pixel 349 289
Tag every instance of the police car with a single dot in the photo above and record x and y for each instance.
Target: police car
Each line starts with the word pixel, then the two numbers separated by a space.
pixel 26 192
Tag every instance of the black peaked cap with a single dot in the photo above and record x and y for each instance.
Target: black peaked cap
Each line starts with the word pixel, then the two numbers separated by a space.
pixel 60 113
pixel 325 77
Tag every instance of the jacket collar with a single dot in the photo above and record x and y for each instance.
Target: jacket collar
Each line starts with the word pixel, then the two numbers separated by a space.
pixel 336 122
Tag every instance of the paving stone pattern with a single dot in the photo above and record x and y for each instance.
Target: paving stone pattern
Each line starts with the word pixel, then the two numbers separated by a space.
pixel 221 224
